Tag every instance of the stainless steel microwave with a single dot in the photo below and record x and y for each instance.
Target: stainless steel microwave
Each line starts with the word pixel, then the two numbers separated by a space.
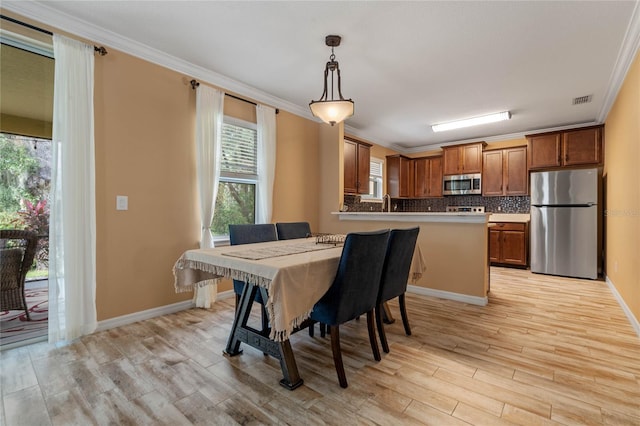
pixel 462 184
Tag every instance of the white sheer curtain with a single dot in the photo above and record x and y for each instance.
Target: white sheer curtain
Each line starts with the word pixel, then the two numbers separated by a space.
pixel 266 118
pixel 209 115
pixel 72 228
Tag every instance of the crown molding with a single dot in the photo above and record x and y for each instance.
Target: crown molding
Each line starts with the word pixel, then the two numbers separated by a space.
pixel 54 18
pixel 626 55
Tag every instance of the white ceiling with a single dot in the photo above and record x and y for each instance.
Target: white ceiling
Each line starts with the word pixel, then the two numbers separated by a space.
pixel 406 65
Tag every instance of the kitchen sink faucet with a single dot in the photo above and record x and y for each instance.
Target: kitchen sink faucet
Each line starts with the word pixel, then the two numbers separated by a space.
pixel 386 200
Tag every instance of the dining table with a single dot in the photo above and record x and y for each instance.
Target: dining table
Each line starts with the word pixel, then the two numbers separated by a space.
pixel 290 275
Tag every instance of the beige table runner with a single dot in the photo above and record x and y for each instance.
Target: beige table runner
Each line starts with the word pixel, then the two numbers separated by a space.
pixel 285 250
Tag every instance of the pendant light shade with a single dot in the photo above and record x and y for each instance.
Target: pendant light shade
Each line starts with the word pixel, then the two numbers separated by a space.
pixel 328 108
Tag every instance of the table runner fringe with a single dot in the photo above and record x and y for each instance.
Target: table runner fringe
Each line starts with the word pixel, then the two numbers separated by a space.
pixel 220 271
pixel 282 335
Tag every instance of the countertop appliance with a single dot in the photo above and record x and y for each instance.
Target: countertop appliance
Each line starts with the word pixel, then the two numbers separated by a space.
pixel 462 184
pixel 466 209
pixel 565 223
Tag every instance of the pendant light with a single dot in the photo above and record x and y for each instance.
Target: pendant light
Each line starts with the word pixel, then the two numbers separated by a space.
pixel 331 110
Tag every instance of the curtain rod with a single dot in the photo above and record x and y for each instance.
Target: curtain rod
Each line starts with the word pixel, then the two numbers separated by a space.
pixel 100 49
pixel 195 83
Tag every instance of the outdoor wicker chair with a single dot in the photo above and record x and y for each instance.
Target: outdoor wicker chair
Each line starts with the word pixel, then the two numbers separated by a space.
pixel 17 250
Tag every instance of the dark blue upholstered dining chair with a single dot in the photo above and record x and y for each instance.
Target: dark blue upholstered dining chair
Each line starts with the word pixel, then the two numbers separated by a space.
pixel 354 291
pixel 291 230
pixel 248 234
pixel 395 275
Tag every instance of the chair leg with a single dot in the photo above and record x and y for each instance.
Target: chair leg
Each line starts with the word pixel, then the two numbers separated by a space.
pixel 323 330
pixel 403 312
pixel 311 329
pixel 372 336
pixel 26 308
pixel 334 331
pixel 381 332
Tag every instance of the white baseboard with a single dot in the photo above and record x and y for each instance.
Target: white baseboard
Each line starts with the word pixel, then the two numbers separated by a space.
pixel 472 300
pixel 632 319
pixel 154 312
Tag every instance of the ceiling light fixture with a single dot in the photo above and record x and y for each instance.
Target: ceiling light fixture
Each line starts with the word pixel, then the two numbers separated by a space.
pixel 458 124
pixel 332 111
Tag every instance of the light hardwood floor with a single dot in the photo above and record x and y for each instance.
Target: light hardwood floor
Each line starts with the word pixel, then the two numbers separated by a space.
pixel 545 350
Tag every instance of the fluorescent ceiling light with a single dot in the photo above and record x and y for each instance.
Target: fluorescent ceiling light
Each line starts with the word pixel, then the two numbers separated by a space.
pixel 491 118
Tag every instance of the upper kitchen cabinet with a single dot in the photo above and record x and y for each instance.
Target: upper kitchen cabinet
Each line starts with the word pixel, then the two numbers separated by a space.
pixel 463 159
pixel 428 177
pixel 357 161
pixel 568 148
pixel 400 176
pixel 582 146
pixel 505 172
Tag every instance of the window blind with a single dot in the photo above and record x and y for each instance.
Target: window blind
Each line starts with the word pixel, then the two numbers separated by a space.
pixel 375 168
pixel 239 150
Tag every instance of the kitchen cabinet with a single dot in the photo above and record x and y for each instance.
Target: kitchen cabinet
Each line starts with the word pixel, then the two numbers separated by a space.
pixel 428 177
pixel 509 243
pixel 400 176
pixel 357 158
pixel 567 148
pixel 462 159
pixel 504 172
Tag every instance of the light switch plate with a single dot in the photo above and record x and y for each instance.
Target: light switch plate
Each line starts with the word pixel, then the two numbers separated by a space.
pixel 122 202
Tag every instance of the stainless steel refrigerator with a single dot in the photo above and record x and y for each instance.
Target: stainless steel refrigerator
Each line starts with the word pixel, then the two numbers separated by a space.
pixel 565 223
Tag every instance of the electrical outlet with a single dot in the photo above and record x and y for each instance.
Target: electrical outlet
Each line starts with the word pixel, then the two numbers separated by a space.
pixel 122 202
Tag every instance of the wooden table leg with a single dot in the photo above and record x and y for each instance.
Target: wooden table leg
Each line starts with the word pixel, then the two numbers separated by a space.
pixel 240 320
pixel 289 367
pixel 242 333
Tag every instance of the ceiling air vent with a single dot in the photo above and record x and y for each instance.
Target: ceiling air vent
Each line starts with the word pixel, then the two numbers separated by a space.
pixel 582 100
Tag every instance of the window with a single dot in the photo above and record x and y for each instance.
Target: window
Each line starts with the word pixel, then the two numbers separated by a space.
pixel 236 200
pixel 375 179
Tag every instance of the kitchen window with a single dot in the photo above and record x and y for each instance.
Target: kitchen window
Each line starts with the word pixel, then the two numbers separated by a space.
pixel 376 166
pixel 236 200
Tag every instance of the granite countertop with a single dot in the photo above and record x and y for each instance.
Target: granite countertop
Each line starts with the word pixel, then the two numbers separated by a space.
pixel 509 217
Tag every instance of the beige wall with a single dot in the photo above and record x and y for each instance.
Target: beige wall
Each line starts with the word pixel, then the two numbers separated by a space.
pixel 622 191
pixel 296 183
pixel 144 130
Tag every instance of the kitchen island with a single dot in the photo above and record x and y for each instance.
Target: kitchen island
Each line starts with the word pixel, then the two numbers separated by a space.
pixel 454 247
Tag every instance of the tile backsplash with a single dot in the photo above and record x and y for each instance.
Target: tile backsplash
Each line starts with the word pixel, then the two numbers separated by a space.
pixel 513 204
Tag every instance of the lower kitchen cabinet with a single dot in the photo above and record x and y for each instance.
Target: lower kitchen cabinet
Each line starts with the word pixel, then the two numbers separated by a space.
pixel 509 244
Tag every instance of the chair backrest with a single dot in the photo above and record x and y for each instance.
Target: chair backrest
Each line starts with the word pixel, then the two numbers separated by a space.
pixel 355 288
pixel 397 263
pixel 17 251
pixel 251 233
pixel 290 230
